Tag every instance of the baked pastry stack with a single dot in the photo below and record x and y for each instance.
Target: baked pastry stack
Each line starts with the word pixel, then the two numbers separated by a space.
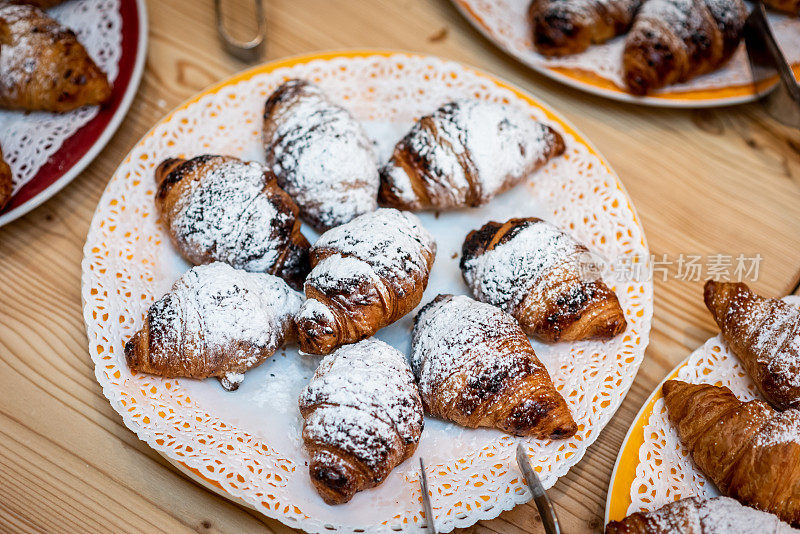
pixel 667 42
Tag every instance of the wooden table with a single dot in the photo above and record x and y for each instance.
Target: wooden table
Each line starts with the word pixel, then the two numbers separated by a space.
pixel 723 181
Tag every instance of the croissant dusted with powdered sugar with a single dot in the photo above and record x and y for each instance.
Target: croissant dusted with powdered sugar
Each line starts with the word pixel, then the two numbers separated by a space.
pixel 320 154
pixel 219 208
pixel 765 335
pixel 216 321
pixel 42 64
pixel 476 367
pixel 363 417
pixel 694 515
pixel 750 451
pixel 464 154
pixel 366 274
pixel 538 274
pixel 6 182
pixel 562 27
pixel 672 41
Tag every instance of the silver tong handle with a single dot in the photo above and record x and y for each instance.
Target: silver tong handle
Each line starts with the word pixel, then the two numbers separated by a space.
pixel 247 51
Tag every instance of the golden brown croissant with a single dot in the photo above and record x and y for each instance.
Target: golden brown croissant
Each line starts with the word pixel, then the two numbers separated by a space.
pixel 672 41
pixel 42 64
pixel 562 27
pixel 693 515
pixel 366 274
pixel 765 335
pixel 464 154
pixel 6 182
pixel 219 208
pixel 538 274
pixel 363 417
pixel 216 321
pixel 320 154
pixel 750 451
pixel 476 367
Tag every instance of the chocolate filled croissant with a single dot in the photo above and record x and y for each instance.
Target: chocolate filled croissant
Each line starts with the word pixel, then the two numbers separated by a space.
pixel 366 274
pixel 563 27
pixel 672 41
pixel 543 278
pixel 320 154
pixel 464 154
pixel 694 515
pixel 219 208
pixel 362 417
pixel 6 182
pixel 42 64
pixel 750 451
pixel 765 335
pixel 216 321
pixel 476 367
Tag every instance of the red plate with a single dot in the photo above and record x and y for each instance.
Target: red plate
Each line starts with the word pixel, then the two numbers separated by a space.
pixel 82 147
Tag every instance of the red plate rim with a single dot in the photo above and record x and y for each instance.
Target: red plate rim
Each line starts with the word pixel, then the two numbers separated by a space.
pixel 80 149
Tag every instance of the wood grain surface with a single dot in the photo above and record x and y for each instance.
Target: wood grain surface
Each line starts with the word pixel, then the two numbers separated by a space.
pixel 722 181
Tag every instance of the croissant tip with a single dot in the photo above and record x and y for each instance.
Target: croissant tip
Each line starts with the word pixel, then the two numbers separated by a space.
pixel 332 481
pixel 670 386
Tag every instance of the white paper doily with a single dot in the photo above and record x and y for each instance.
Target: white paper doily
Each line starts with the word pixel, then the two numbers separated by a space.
pixel 248 442
pixel 666 472
pixel 506 23
pixel 30 138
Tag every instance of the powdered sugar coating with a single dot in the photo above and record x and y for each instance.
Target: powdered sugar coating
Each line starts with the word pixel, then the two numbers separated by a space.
pixel 474 150
pixel 217 309
pixel 719 515
pixel 363 398
pixel 394 243
pixel 226 211
pixel 686 18
pixel 451 333
pixel 782 428
pixel 321 156
pixel 337 273
pixel 504 275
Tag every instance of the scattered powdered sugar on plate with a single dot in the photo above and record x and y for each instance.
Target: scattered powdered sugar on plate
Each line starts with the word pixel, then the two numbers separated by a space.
pixel 226 211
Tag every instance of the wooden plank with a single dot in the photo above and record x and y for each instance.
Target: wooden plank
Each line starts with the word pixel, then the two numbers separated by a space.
pixel 705 182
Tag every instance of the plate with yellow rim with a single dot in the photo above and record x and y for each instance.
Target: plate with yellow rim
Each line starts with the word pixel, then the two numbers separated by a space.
pixel 652 467
pixel 246 444
pixel 505 23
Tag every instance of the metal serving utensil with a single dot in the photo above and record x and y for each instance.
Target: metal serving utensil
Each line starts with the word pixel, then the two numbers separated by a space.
pixel 247 51
pixel 773 79
pixel 546 509
pixel 426 499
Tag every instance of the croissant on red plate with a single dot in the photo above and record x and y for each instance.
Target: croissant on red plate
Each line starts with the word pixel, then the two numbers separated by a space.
pixel 563 27
pixel 694 515
pixel 366 274
pixel 219 208
pixel 216 321
pixel 320 154
pixel 42 64
pixel 362 417
pixel 672 41
pixel 542 277
pixel 6 183
pixel 750 451
pixel 464 154
pixel 476 367
pixel 764 334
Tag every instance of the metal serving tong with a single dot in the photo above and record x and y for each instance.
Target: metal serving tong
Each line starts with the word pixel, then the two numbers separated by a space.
pixel 247 51
pixel 546 509
pixel 773 78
